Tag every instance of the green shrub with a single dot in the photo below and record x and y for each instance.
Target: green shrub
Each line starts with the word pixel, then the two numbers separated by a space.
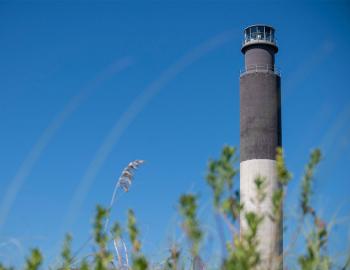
pixel 242 251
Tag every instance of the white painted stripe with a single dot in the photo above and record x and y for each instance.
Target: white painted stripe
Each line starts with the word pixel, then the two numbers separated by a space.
pixel 269 233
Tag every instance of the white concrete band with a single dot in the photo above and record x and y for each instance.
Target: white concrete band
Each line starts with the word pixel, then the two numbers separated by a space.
pixel 269 231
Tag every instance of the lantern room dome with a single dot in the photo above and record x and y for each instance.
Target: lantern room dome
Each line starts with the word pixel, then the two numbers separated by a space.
pixel 259 34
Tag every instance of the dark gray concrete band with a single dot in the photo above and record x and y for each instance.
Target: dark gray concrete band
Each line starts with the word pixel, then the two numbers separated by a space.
pixel 260 115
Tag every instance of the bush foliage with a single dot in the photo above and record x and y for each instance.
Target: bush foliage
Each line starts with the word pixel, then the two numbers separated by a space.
pixel 241 249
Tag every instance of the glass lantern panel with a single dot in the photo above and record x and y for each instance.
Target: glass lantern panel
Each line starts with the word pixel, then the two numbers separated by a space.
pixel 260 29
pixel 246 35
pixel 268 33
pixel 260 32
pixel 253 32
pixel 272 35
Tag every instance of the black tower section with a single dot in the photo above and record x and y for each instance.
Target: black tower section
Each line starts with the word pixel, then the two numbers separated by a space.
pixel 260 98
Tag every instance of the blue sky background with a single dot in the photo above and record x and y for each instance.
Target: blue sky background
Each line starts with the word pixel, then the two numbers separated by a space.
pixel 87 87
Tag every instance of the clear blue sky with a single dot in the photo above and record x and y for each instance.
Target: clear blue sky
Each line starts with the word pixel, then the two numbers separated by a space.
pixel 87 87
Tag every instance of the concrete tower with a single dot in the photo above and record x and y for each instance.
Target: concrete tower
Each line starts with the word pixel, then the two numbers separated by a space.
pixel 260 132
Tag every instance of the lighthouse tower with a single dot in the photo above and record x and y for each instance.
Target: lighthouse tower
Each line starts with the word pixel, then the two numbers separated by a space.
pixel 260 132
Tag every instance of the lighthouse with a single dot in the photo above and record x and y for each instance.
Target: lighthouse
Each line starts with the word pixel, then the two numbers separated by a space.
pixel 260 134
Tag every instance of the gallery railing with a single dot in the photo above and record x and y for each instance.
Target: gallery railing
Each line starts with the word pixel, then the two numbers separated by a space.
pixel 260 68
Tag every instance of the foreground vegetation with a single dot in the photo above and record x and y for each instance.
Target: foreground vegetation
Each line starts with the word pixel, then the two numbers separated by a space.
pixel 111 251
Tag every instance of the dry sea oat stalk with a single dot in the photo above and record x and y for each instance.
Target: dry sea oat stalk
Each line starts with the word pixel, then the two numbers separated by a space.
pixel 126 177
